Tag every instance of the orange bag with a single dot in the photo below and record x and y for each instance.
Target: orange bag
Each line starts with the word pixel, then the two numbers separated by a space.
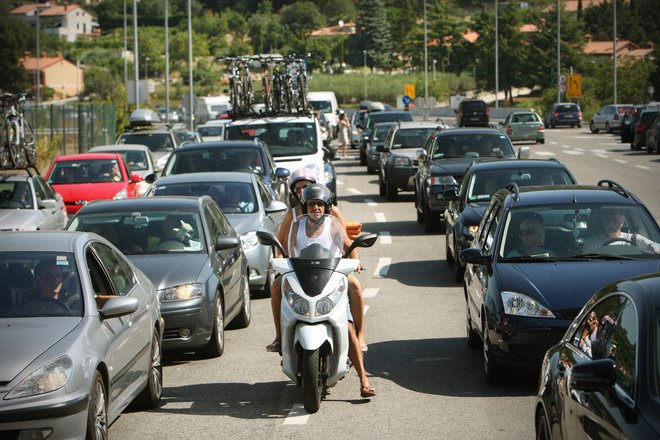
pixel 353 229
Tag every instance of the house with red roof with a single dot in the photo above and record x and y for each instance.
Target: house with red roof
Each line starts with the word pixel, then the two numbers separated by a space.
pixel 68 21
pixel 64 77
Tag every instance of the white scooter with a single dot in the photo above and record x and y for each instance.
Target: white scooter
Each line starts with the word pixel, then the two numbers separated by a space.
pixel 314 307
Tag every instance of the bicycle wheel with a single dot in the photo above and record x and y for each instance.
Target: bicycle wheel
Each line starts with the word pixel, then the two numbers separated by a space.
pixel 302 93
pixel 265 90
pixel 277 94
pixel 20 156
pixel 233 95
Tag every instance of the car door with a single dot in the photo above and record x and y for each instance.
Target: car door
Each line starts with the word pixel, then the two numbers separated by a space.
pixel 226 263
pixel 129 336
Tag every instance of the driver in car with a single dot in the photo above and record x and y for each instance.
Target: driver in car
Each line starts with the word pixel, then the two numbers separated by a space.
pixel 612 221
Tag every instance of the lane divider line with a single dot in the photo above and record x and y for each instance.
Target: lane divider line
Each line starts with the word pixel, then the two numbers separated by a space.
pixel 604 156
pixel 370 292
pixel 642 167
pixel 620 161
pixel 380 217
pixel 354 191
pixel 382 267
pixel 370 202
pixel 385 237
pixel 297 415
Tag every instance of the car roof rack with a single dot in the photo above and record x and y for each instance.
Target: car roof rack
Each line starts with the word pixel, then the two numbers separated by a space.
pixel 31 170
pixel 615 186
pixel 513 188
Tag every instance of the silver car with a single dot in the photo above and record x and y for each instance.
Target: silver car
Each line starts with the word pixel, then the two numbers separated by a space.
pixel 254 208
pixel 81 336
pixel 609 117
pixel 29 203
pixel 137 158
pixel 193 256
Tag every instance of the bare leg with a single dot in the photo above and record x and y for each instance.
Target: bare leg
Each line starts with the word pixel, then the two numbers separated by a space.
pixel 356 301
pixel 355 355
pixel 275 300
pixel 343 150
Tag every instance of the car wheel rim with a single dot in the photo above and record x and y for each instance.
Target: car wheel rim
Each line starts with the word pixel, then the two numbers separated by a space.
pixel 220 322
pixel 100 413
pixel 156 367
pixel 246 300
pixel 486 350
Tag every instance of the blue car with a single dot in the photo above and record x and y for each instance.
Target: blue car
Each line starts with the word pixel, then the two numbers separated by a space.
pixel 540 253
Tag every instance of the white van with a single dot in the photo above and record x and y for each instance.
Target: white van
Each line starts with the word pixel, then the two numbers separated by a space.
pixel 215 106
pixel 326 103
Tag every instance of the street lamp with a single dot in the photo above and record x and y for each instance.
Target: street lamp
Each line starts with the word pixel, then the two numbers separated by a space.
pixel 167 62
pixel 426 64
pixel 434 61
pixel 364 52
pixel 146 68
pixel 614 55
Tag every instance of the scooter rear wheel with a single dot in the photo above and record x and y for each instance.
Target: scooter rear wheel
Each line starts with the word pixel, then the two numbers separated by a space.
pixel 312 386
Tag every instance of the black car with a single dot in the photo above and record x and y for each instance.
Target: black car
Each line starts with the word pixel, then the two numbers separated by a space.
pixel 563 113
pixel 469 202
pixel 540 253
pixel 446 157
pixel 374 118
pixel 472 113
pixel 252 156
pixel 601 380
pixel 192 255
pixel 630 119
pixel 398 163
pixel 646 117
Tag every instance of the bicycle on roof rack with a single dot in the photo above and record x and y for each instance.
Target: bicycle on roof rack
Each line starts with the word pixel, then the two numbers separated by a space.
pixel 240 84
pixel 18 141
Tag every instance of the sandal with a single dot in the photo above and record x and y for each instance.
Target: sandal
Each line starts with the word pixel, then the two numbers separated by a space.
pixel 274 347
pixel 368 391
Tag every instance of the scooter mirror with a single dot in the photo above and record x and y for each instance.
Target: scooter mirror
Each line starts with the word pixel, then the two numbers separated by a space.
pixel 269 239
pixel 363 241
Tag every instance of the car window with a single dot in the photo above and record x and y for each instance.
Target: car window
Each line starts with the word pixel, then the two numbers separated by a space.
pixel 157 142
pixel 610 331
pixel 15 195
pixel 411 137
pixel 563 108
pixel 85 171
pixel 488 229
pixel 473 106
pixel 322 106
pixel 472 145
pixel 214 159
pixel 26 280
pixel 483 185
pixel 282 139
pixel 380 133
pixel 264 194
pixel 117 269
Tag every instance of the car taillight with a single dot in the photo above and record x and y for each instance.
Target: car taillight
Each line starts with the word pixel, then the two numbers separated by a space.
pixel 616 117
pixel 542 127
pixel 640 127
pixel 509 130
pixel 580 115
pixel 556 115
pixel 487 111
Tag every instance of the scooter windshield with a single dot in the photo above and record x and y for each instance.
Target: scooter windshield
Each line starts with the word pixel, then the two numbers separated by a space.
pixel 315 237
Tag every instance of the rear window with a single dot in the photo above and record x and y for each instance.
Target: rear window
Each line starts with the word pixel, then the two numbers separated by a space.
pixel 473 106
pixel 625 109
pixel 322 106
pixel 648 116
pixel 565 108
pixel 387 117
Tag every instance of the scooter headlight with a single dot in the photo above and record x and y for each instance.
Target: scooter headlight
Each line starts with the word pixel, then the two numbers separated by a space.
pixel 327 304
pixel 297 303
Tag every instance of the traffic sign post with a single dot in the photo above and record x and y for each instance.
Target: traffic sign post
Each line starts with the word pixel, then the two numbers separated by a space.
pixel 573 86
pixel 406 100
pixel 409 91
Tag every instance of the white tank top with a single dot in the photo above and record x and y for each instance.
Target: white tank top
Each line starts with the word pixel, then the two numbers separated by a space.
pixel 325 239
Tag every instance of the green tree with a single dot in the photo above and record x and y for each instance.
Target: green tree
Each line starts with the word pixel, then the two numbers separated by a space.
pixel 302 18
pixel 373 35
pixel 100 82
pixel 13 35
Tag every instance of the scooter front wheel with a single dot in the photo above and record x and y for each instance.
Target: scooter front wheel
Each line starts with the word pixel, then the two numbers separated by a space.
pixel 312 385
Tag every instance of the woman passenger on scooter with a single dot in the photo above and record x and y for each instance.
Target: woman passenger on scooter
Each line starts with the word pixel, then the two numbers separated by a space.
pixel 299 180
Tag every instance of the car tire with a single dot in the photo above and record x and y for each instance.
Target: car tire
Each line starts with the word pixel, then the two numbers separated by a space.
pixel 449 257
pixel 245 315
pixel 459 269
pixel 542 428
pixel 593 129
pixel 363 157
pixel 382 190
pixel 431 220
pixel 491 370
pixel 97 410
pixel 473 340
pixel 149 398
pixel 392 192
pixel 541 141
pixel 608 128
pixel 418 212
pixel 579 126
pixel 216 346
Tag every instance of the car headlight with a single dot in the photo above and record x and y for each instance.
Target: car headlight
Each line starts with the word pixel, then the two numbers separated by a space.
pixel 183 292
pixel 327 175
pixel 298 304
pixel 522 305
pixel 50 377
pixel 441 180
pixel 121 194
pixel 400 161
pixel 249 240
pixel 470 230
pixel 326 304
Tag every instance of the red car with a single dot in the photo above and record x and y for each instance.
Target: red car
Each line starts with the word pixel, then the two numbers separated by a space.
pixel 81 178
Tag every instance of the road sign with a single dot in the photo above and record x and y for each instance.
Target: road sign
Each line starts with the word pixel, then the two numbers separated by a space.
pixel 574 86
pixel 406 100
pixel 409 90
pixel 562 79
pixel 562 88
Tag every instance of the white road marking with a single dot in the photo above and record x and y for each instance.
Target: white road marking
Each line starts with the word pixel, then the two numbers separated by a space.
pixel 620 161
pixel 366 307
pixel 573 152
pixel 544 153
pixel 380 217
pixel 339 182
pixel 382 267
pixel 370 202
pixel 643 167
pixel 553 143
pixel 385 238
pixel 566 146
pixel 370 292
pixel 600 151
pixel 354 191
pixel 578 149
pixel 604 156
pixel 297 415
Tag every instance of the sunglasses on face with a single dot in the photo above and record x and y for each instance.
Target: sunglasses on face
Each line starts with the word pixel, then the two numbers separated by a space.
pixel 315 203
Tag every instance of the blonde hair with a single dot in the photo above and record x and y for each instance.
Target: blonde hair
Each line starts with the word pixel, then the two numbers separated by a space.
pixel 534 224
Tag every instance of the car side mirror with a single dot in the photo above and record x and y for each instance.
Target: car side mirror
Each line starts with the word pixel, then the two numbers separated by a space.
pixel 523 153
pixel 363 241
pixel 222 242
pixel 47 204
pixel 450 194
pixel 474 256
pixel 501 122
pixel 269 239
pixel 150 178
pixel 380 148
pixel 276 206
pixel 421 155
pixel 282 173
pixel 597 375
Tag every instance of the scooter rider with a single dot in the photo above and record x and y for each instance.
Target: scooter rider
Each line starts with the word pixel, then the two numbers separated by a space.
pixel 300 179
pixel 316 201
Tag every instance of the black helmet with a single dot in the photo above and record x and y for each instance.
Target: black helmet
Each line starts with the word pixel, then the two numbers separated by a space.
pixel 316 191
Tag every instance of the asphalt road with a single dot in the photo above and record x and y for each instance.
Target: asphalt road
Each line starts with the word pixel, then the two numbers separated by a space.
pixel 429 383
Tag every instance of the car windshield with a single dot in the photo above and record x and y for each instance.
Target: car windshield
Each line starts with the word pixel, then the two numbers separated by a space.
pixel 282 139
pixel 472 145
pixel 411 137
pixel 473 106
pixel 231 197
pixel 146 232
pixel 214 159
pixel 580 231
pixel 523 118
pixel 155 141
pixel 85 171
pixel 15 195
pixel 483 185
pixel 211 130
pixel 315 236
pixel 39 284
pixel 135 159
pixel 380 132
pixel 322 106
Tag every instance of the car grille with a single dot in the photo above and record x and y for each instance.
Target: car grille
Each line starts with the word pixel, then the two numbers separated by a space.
pixel 568 314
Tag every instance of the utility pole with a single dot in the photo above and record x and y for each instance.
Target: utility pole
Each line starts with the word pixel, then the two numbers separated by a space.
pixel 558 48
pixel 135 55
pixel 167 62
pixel 614 55
pixel 497 54
pixel 190 70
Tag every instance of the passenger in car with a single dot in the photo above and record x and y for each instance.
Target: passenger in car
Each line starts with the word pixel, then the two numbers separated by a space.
pixel 531 236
